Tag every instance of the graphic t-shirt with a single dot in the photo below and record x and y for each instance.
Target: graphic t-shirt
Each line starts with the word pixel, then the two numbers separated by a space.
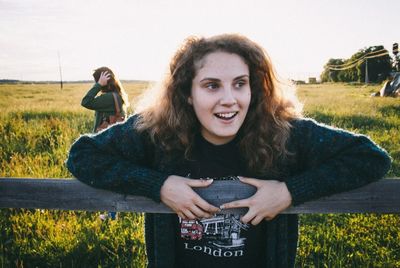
pixel 223 240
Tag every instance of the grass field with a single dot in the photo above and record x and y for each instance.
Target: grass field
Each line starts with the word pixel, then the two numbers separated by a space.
pixel 39 122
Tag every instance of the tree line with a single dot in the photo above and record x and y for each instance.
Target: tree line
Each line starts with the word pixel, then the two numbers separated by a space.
pixel 376 58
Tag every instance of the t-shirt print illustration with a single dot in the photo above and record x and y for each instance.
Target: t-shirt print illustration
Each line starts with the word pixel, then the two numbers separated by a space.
pixel 220 236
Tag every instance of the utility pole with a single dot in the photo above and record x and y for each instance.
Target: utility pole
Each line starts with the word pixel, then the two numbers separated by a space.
pixel 396 58
pixel 366 71
pixel 59 67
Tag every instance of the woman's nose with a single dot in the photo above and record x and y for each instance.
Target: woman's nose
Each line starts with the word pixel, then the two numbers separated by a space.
pixel 228 97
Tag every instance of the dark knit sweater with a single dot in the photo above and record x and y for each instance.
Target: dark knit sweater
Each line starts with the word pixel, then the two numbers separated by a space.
pixel 326 161
pixel 102 104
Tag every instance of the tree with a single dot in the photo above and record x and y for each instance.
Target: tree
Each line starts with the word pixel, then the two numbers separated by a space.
pixel 379 67
pixel 329 75
pixel 353 69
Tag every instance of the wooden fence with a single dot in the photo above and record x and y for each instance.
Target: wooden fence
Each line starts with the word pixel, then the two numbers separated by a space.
pixel 70 194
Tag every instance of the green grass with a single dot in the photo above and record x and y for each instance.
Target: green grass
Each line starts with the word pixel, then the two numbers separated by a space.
pixel 38 123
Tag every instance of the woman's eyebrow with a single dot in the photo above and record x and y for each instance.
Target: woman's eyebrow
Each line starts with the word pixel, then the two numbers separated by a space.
pixel 241 76
pixel 210 79
pixel 217 80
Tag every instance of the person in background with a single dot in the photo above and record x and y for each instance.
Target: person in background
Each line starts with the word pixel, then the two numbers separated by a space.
pixel 108 85
pixel 222 113
pixel 112 102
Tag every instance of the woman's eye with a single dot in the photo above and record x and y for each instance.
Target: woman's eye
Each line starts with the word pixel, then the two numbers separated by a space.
pixel 211 85
pixel 240 83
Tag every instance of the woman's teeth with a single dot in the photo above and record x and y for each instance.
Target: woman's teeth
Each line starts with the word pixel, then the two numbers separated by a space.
pixel 226 116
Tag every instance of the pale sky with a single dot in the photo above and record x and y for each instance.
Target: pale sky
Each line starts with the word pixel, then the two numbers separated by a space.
pixel 137 38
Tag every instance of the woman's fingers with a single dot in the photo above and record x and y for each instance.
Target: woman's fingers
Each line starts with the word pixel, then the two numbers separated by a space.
pixel 271 198
pixel 105 74
pixel 255 182
pixel 177 193
pixel 200 202
pixel 255 217
pixel 206 207
pixel 257 220
pixel 104 77
pixel 200 213
pixel 198 183
pixel 248 217
pixel 188 215
pixel 193 213
pixel 236 204
pixel 181 215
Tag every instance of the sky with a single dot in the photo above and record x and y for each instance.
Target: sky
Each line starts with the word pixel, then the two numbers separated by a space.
pixel 137 38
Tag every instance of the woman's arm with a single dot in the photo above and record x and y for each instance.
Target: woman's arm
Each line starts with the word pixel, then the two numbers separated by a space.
pixel 328 161
pixel 101 103
pixel 118 159
pixel 332 160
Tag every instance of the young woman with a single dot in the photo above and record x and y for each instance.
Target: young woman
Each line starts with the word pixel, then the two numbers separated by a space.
pixel 110 106
pixel 222 113
pixel 104 106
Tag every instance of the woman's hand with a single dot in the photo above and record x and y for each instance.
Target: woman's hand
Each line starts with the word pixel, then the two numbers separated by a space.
pixel 103 79
pixel 177 194
pixel 272 197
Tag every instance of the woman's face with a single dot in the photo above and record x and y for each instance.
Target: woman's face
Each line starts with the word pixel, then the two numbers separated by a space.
pixel 221 95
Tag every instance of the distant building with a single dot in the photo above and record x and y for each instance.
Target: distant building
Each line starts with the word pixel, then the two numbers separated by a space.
pixel 298 82
pixel 312 80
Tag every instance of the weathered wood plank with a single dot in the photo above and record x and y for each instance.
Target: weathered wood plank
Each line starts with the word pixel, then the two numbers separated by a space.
pixel 70 194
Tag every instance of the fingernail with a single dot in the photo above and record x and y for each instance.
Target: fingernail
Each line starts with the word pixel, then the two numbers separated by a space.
pixel 221 207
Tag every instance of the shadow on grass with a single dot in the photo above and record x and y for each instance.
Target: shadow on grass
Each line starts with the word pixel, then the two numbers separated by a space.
pixel 360 122
pixel 34 115
pixel 395 169
pixel 392 110
pixel 81 121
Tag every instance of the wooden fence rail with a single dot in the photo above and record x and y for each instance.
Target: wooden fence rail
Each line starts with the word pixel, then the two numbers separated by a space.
pixel 70 194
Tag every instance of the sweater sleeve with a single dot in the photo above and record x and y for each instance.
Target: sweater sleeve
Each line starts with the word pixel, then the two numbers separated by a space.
pixel 117 159
pixel 332 160
pixel 101 103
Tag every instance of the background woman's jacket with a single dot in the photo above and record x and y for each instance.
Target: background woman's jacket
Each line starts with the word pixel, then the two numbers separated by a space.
pixel 103 105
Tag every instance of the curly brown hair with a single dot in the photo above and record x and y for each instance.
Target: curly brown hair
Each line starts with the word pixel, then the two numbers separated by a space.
pixel 172 123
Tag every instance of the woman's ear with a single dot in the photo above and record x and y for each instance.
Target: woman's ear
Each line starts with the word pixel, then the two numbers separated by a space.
pixel 190 101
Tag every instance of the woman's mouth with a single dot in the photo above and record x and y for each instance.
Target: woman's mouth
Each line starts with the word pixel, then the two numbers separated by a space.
pixel 226 116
